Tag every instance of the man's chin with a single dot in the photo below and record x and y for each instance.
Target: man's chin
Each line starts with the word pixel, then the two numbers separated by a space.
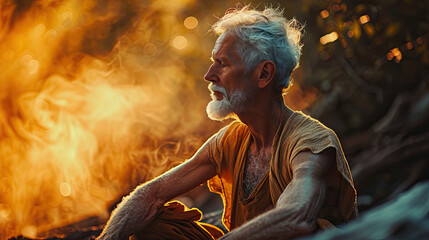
pixel 216 110
pixel 221 118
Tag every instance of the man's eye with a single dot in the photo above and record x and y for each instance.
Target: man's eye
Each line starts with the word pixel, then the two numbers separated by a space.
pixel 217 61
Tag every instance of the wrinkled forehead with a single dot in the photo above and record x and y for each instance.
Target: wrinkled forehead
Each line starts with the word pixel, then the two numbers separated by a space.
pixel 226 46
pixel 220 42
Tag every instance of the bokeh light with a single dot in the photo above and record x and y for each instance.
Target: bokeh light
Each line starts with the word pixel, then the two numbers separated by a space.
pixel 364 19
pixel 180 42
pixel 4 212
pixel 150 49
pixel 32 67
pixel 330 37
pixel 191 22
pixel 324 13
pixel 65 189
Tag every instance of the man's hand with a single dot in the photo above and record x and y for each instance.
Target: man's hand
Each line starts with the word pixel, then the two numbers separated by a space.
pixel 133 212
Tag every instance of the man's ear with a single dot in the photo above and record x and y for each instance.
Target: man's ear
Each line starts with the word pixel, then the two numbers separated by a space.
pixel 266 72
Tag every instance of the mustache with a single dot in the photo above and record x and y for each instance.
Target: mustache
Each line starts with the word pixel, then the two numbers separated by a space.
pixel 215 88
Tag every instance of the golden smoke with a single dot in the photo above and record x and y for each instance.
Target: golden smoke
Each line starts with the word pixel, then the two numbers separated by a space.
pixel 94 100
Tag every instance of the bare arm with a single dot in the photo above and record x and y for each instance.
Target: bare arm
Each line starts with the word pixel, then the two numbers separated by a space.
pixel 139 208
pixel 296 210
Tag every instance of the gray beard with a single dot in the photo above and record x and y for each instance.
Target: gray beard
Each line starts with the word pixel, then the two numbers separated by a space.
pixel 227 108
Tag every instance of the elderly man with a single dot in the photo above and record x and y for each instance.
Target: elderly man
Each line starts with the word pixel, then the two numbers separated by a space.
pixel 281 174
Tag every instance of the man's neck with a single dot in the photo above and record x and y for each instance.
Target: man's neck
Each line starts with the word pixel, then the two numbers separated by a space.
pixel 263 121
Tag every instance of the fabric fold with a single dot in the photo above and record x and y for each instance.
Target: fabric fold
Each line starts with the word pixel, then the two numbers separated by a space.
pixel 175 221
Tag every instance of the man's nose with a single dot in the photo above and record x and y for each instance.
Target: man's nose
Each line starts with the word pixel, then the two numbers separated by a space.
pixel 210 75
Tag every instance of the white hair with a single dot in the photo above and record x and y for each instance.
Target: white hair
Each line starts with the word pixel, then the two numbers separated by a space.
pixel 264 35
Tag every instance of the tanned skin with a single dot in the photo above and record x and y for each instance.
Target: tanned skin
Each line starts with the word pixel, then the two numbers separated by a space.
pixel 296 209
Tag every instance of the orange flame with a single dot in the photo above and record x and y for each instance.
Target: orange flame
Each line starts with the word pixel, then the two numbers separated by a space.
pixel 91 105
